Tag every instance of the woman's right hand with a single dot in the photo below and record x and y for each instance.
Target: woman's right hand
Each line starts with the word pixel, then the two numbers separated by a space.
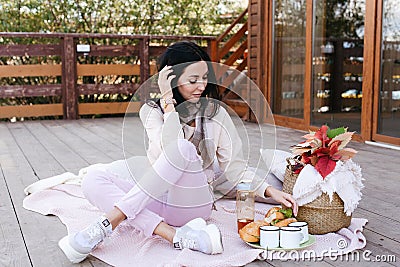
pixel 283 198
pixel 164 81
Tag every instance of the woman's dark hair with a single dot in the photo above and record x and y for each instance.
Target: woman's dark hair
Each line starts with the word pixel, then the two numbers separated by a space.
pixel 182 54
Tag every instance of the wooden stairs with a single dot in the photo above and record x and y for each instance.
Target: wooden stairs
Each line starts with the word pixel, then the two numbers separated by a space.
pixel 232 52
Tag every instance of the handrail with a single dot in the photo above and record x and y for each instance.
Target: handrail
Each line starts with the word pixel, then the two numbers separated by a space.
pixel 231 78
pixel 234 39
pixel 236 55
pixel 104 35
pixel 237 44
pixel 237 20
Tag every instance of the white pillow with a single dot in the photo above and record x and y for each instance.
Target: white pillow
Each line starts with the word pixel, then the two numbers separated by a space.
pixel 276 160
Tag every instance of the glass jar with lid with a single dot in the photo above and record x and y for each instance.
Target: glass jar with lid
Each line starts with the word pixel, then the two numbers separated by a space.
pixel 245 210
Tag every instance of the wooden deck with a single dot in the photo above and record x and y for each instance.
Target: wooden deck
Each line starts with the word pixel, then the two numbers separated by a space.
pixel 34 150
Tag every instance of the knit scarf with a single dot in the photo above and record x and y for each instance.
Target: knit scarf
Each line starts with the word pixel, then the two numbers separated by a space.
pixel 199 138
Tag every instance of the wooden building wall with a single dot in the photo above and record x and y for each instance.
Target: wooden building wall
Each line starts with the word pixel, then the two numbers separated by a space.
pixel 254 37
pixel 258 40
pixel 260 47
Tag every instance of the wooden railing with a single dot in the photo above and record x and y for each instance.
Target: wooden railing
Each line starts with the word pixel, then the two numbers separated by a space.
pixel 70 74
pixel 232 52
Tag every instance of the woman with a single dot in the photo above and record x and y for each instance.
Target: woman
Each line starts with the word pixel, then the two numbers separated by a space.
pixel 193 146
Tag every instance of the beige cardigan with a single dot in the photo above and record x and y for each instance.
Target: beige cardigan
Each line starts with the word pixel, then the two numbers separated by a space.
pixel 163 128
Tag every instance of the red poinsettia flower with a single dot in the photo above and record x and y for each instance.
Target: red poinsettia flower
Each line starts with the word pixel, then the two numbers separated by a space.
pixel 323 148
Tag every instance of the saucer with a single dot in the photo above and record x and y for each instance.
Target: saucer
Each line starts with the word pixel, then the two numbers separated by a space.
pixel 311 241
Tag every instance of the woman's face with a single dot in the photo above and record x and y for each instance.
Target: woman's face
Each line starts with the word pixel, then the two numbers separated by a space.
pixel 193 81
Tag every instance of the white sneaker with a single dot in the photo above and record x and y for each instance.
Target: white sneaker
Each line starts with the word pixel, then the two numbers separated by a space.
pixel 195 224
pixel 200 237
pixel 79 245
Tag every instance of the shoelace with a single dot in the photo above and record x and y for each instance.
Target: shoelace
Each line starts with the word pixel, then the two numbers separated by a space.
pixel 189 243
pixel 94 232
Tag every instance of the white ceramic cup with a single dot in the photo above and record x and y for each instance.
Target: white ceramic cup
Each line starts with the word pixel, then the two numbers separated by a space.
pixel 269 236
pixel 290 237
pixel 304 229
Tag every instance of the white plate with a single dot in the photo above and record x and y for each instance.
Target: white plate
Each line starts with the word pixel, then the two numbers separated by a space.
pixel 311 241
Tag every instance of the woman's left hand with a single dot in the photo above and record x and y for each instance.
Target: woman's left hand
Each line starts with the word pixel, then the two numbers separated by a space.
pixel 283 198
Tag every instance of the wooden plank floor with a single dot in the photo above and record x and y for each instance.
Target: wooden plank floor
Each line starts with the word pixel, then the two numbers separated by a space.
pixel 34 150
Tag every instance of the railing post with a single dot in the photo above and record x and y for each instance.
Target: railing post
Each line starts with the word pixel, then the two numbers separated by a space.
pixel 144 64
pixel 69 78
pixel 212 48
pixel 144 59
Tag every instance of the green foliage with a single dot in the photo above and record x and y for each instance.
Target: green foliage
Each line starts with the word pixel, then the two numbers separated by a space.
pixel 162 17
pixel 335 132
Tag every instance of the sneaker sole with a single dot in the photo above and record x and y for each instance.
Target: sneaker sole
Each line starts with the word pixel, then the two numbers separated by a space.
pixel 216 239
pixel 73 255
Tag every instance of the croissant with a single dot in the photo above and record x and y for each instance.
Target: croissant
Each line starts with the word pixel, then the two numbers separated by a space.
pixel 285 222
pixel 251 231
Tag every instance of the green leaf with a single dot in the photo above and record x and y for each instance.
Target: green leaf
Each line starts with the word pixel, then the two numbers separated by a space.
pixel 288 213
pixel 334 132
pixel 275 221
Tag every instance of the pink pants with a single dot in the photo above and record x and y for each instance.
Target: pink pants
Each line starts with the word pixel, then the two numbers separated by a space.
pixel 174 190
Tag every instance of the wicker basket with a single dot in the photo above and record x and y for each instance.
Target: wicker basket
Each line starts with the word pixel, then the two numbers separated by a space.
pixel 322 215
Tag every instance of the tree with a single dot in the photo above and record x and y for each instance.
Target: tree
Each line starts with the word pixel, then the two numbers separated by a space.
pixel 194 17
pixel 344 18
